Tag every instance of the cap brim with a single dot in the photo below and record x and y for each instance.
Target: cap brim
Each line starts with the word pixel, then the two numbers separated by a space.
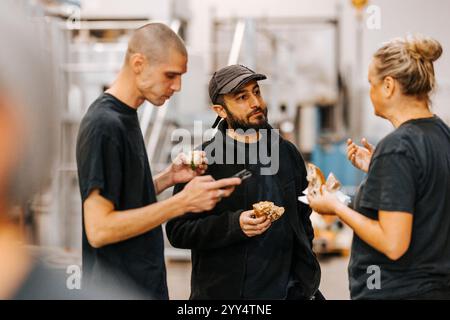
pixel 235 84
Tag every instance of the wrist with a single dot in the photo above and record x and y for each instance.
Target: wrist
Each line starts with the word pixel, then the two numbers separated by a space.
pixel 182 199
pixel 339 208
pixel 164 180
pixel 169 177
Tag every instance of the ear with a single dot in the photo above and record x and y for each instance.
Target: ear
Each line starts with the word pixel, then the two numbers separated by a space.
pixel 389 85
pixel 220 110
pixel 137 62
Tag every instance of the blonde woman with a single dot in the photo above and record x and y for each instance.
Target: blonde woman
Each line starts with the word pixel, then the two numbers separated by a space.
pixel 401 215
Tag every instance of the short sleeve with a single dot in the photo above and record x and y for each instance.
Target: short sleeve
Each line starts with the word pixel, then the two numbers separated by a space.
pixel 100 167
pixel 390 184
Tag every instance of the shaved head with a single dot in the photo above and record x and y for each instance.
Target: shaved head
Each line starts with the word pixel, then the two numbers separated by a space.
pixel 154 41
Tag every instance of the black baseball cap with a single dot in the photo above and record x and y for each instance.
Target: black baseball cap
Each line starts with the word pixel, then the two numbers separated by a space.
pixel 229 80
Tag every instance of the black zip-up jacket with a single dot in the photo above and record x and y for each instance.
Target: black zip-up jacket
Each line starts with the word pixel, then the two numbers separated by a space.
pixel 219 245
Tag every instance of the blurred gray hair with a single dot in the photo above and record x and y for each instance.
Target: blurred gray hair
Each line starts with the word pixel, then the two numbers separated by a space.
pixel 26 76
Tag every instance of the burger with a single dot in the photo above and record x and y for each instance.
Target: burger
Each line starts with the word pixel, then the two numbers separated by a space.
pixel 269 209
pixel 315 179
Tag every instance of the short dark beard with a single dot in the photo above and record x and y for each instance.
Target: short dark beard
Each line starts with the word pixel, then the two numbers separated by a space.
pixel 236 123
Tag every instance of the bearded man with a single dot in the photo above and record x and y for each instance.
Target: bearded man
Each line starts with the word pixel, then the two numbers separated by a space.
pixel 235 254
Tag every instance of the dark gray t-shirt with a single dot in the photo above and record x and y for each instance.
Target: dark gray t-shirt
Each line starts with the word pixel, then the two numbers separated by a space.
pixel 409 172
pixel 111 156
pixel 44 283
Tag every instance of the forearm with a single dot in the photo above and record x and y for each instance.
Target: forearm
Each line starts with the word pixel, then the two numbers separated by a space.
pixel 117 226
pixel 163 180
pixel 207 232
pixel 369 230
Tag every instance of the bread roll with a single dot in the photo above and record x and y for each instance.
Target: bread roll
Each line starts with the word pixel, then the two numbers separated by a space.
pixel 269 209
pixel 315 179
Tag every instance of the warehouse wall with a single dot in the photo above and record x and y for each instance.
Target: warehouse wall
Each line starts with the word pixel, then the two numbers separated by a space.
pixel 203 12
pixel 155 9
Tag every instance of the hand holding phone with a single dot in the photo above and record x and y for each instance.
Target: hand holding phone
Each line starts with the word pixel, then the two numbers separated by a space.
pixel 243 174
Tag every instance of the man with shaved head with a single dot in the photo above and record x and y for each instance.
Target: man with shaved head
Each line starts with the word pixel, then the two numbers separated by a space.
pixel 122 219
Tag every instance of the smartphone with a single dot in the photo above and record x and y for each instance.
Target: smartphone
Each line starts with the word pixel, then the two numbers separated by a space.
pixel 243 175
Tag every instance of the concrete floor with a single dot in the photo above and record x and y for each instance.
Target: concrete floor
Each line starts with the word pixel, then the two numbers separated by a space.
pixel 334 283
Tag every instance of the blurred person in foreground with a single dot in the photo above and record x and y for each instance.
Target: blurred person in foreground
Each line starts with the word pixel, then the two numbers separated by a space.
pixel 401 215
pixel 27 136
pixel 29 117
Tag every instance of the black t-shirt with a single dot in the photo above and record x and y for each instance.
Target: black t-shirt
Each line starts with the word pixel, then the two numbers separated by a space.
pixel 111 156
pixel 269 255
pixel 409 172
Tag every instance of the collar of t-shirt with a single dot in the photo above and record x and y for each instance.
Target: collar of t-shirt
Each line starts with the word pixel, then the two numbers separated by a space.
pixel 120 106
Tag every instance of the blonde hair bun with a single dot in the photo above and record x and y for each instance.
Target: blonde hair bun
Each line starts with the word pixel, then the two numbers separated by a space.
pixel 410 60
pixel 424 48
